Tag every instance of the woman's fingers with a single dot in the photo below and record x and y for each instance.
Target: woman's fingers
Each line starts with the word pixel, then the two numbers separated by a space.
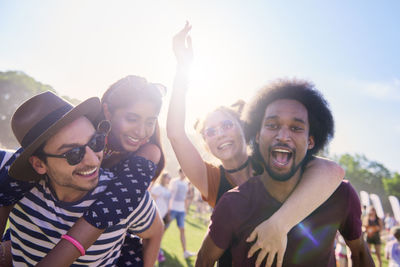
pixel 261 255
pixel 279 259
pixel 253 249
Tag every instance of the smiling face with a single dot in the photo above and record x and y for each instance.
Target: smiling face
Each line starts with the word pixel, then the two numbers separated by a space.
pixel 72 182
pixel 132 126
pixel 228 140
pixel 284 138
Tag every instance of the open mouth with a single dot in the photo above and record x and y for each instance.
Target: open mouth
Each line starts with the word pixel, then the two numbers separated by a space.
pixel 132 139
pixel 87 173
pixel 224 145
pixel 281 156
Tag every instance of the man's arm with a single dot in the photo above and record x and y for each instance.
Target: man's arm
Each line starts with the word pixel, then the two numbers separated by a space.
pixel 209 253
pixel 360 254
pixel 152 241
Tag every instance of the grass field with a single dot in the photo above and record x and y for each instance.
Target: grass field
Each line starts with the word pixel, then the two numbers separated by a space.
pixel 195 230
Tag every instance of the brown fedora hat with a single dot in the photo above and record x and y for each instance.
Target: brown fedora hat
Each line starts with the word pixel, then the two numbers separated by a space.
pixel 38 119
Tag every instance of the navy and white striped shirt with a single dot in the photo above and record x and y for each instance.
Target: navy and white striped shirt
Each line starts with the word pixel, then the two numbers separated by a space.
pixel 39 219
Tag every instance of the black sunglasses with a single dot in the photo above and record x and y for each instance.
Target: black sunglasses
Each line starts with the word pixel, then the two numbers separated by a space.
pixel 75 155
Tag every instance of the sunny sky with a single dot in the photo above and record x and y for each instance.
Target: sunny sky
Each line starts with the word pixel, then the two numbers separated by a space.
pixel 349 49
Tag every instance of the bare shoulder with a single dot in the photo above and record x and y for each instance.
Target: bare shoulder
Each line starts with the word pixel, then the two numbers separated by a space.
pixel 150 151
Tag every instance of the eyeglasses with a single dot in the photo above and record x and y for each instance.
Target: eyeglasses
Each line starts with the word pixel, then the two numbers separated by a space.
pixel 75 155
pixel 212 131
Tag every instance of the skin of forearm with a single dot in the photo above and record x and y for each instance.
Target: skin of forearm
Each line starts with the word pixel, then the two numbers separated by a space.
pixel 152 241
pixel 66 253
pixel 177 110
pixel 362 259
pixel 151 247
pixel 203 261
pixel 316 186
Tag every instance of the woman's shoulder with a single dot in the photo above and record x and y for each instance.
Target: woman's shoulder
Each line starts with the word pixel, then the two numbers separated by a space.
pixel 150 152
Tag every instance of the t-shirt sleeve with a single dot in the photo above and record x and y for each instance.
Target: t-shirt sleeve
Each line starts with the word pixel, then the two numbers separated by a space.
pixel 11 190
pixel 124 192
pixel 213 179
pixel 350 228
pixel 220 230
pixel 144 215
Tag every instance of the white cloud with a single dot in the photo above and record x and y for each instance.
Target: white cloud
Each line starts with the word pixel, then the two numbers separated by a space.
pixel 384 90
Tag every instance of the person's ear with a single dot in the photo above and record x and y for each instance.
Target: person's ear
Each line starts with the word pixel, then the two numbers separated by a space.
pixel 257 138
pixel 38 165
pixel 311 142
pixel 106 111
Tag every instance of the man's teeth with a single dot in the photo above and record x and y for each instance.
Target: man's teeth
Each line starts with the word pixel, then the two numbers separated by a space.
pixel 133 139
pixel 281 150
pixel 89 172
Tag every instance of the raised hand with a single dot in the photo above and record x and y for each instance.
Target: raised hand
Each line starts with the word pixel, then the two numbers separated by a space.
pixel 182 46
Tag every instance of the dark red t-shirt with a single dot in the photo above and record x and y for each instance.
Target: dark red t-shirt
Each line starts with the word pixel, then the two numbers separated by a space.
pixel 310 243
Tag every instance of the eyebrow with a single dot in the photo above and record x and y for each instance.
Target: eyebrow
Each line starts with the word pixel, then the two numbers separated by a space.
pixel 73 145
pixel 137 115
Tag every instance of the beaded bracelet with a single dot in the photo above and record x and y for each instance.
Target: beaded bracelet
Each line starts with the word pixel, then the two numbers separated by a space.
pixel 75 243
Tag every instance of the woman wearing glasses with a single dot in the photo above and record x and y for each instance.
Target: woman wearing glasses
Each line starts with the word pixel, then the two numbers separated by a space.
pixel 223 134
pixel 133 151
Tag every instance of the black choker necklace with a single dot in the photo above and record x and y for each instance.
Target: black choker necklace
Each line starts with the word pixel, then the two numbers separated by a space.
pixel 244 165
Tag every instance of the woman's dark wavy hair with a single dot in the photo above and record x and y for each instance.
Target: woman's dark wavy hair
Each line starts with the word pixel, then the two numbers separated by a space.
pixel 319 115
pixel 130 90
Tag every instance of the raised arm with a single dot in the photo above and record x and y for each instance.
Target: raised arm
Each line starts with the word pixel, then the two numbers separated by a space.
pixel 189 158
pixel 320 179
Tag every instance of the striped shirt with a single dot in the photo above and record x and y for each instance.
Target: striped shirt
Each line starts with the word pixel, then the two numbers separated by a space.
pixel 38 220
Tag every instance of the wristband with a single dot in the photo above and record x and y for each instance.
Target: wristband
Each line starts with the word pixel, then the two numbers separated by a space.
pixel 75 243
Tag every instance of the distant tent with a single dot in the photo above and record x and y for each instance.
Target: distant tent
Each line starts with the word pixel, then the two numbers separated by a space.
pixel 364 198
pixel 394 202
pixel 376 202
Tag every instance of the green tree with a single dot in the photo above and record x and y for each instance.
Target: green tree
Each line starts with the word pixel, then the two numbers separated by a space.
pixel 392 185
pixel 15 88
pixel 366 175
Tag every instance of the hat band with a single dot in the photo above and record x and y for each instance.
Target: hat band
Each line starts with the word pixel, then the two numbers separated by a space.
pixel 44 124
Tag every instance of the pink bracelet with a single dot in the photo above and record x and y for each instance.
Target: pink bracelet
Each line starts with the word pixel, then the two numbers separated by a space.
pixel 75 243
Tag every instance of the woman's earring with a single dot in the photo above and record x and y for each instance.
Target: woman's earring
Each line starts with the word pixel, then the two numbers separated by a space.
pixel 104 127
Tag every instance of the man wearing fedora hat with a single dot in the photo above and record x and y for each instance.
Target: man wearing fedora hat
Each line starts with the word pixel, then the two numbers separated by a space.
pixel 60 161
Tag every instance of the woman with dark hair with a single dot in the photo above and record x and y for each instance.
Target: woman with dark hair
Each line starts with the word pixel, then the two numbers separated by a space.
pixel 222 131
pixel 373 226
pixel 132 106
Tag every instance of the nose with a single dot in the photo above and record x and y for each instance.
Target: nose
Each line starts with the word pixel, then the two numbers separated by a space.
pixel 219 132
pixel 140 131
pixel 92 158
pixel 283 134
